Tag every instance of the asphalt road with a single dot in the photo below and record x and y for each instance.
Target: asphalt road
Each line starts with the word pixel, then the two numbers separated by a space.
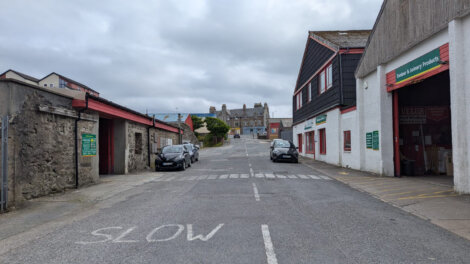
pixel 236 206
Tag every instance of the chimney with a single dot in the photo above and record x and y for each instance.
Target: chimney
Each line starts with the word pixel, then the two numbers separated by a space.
pixel 224 108
pixel 212 109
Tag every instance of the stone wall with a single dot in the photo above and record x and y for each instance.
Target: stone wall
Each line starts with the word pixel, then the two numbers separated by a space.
pixel 138 147
pixel 158 139
pixel 41 150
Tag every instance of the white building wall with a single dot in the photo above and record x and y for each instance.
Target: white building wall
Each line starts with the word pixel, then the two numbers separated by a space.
pixel 51 79
pixel 349 158
pixel 459 57
pixel 375 108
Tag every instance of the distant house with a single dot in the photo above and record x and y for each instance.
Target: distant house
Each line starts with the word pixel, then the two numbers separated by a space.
pixel 60 81
pixel 275 126
pixel 173 118
pixel 51 81
pixel 244 120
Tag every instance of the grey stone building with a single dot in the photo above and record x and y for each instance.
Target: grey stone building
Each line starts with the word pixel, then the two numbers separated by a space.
pixel 244 120
pixel 60 139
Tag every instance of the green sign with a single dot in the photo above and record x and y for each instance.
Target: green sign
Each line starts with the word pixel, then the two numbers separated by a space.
pixel 421 65
pixel 320 119
pixel 369 140
pixel 375 140
pixel 88 145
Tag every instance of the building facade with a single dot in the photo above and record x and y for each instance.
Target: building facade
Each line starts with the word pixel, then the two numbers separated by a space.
pixel 324 100
pixel 58 141
pixel 244 121
pixel 278 125
pixel 413 113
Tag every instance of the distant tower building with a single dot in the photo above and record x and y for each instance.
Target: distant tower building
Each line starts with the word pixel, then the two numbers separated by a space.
pixel 245 120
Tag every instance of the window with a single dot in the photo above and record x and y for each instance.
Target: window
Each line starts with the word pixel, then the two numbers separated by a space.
pixel 45 85
pixel 298 99
pixel 325 80
pixel 322 141
pixel 236 124
pixel 299 142
pixel 62 83
pixel 51 85
pixel 138 143
pixel 347 140
pixel 310 141
pixel 309 92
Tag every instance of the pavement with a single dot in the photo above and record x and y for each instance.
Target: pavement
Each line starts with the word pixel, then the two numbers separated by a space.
pixel 233 206
pixel 429 197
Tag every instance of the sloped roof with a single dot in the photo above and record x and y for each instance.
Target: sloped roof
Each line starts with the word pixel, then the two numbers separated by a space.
pixel 249 112
pixel 343 39
pixel 70 80
pixel 27 77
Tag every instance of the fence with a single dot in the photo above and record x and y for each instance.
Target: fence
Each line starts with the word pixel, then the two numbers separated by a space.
pixel 4 168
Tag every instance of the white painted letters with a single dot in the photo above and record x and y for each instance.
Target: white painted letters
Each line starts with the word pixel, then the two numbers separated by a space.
pixel 97 233
pixel 190 236
pixel 175 235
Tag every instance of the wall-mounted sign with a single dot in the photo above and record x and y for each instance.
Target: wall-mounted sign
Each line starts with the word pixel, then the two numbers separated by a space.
pixel 369 140
pixel 308 124
pixel 375 140
pixel 88 145
pixel 421 65
pixel 320 119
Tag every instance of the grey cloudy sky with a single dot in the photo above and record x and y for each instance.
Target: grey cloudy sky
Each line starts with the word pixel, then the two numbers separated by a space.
pixel 159 55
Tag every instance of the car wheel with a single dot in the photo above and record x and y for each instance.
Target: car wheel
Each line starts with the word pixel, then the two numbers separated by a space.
pixel 184 166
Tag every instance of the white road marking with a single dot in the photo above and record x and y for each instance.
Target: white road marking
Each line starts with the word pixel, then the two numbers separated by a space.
pixel 252 174
pixel 291 177
pixel 302 176
pixel 234 176
pixel 225 176
pixel 259 175
pixel 119 239
pixel 169 178
pixel 244 176
pixel 270 176
pixel 202 177
pixel 280 176
pixel 314 177
pixel 255 190
pixel 268 245
pixel 178 232
pixel 98 233
pixel 191 178
pixel 212 177
pixel 191 237
pixel 325 177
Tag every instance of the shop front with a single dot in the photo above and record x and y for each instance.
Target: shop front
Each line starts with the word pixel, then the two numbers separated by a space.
pixel 422 131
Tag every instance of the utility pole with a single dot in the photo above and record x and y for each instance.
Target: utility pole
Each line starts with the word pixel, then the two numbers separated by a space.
pixel 180 138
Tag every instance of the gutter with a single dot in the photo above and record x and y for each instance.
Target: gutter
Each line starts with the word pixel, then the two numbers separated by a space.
pixel 76 138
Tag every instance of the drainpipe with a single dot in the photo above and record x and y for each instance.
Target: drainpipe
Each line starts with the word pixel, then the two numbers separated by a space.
pixel 76 138
pixel 180 138
pixel 148 140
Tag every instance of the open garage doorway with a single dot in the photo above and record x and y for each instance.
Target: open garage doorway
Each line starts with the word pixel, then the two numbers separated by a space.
pixel 106 146
pixel 422 119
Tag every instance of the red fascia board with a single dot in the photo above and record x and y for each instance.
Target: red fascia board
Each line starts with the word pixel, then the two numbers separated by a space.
pixel 120 113
pixel 327 63
pixel 351 51
pixel 350 109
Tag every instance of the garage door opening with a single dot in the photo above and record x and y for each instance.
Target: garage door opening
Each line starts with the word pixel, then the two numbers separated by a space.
pixel 106 144
pixel 424 140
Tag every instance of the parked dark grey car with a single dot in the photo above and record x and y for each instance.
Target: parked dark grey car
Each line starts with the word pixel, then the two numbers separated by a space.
pixel 173 157
pixel 284 150
pixel 193 151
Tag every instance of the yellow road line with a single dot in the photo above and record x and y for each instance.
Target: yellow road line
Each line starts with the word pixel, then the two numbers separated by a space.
pixel 426 197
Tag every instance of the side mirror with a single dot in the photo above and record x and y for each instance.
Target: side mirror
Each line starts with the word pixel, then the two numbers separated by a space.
pixel 197 146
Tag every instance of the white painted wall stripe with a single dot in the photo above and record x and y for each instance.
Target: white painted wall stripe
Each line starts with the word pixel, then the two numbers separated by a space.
pixel 255 190
pixel 268 245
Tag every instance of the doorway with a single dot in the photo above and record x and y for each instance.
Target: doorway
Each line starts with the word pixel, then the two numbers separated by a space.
pixel 106 146
pixel 422 127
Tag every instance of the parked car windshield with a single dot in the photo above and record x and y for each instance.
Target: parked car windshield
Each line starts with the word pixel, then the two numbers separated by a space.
pixel 172 149
pixel 282 144
pixel 189 147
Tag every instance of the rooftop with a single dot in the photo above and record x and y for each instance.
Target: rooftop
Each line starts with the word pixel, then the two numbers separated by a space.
pixel 344 39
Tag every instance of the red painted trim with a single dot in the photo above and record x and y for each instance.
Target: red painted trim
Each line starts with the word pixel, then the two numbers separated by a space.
pixel 323 44
pixel 120 113
pixel 396 135
pixel 299 143
pixel 351 51
pixel 322 136
pixel 391 77
pixel 349 109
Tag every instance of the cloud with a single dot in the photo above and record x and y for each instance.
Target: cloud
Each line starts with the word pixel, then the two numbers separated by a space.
pixel 163 55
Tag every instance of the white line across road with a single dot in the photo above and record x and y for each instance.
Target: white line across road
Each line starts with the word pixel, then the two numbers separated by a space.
pixel 255 190
pixel 268 245
pixel 252 174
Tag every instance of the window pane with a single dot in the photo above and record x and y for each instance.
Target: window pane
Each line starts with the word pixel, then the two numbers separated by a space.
pixel 322 82
pixel 330 76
